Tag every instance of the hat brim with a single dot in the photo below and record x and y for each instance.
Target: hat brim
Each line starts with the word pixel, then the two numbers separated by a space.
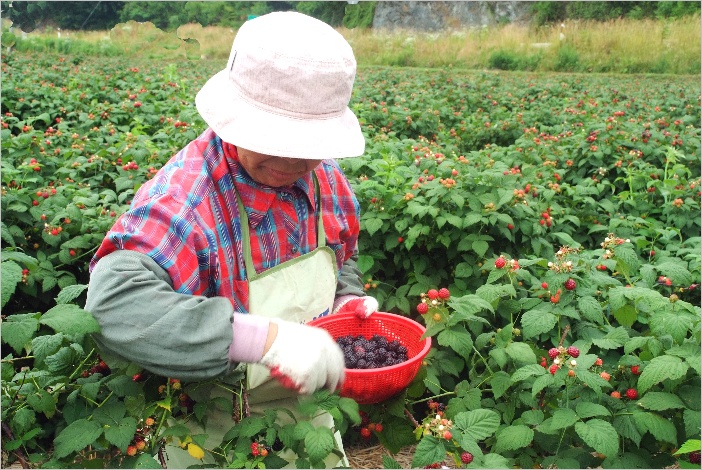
pixel 245 125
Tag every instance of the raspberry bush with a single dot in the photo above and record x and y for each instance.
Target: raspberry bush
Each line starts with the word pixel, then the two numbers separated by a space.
pixel 545 229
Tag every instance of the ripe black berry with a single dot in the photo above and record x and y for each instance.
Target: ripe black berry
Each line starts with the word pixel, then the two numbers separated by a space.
pixel 363 353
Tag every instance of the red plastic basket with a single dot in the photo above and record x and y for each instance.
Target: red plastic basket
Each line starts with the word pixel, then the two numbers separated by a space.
pixel 368 386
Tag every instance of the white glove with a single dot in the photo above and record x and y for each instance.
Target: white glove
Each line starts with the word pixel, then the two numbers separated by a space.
pixel 362 307
pixel 305 358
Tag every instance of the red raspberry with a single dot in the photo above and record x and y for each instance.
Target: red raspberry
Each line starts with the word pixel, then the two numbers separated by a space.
pixel 569 284
pixel 598 362
pixel 466 457
pixel 573 351
pixel 131 451
pixel 444 293
pixel 422 308
pixel 447 435
pixel 544 285
pixel 635 370
pixel 553 369
pixel 616 394
pixel 632 394
pixel 378 427
pixel 553 353
pixel 365 433
pixel 432 294
pixel 500 263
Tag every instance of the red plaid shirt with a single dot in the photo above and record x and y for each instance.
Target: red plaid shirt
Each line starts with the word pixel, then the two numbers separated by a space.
pixel 186 219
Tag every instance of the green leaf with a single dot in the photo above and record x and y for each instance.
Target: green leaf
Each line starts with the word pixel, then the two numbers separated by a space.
pixel 70 293
pixel 365 262
pixel 18 329
pixel 659 401
pixel 42 402
pixel 70 320
pixel 563 418
pixel 615 338
pixel 658 426
pixel 627 428
pixel 470 304
pixel 389 462
pixel 665 322
pixel 691 445
pixel 659 369
pixel 319 442
pixel 500 383
pixel 76 436
pixel 10 276
pixel 692 421
pixel 586 409
pixel 428 450
pixel 537 321
pixel 457 338
pixel 471 218
pixel 676 271
pixel 527 371
pixel 372 225
pixel 478 424
pixel 123 386
pixel 600 435
pixel 540 383
pixel 496 461
pixel 495 275
pixel 590 309
pixel 626 315
pixel 19 257
pixel 637 342
pixel 122 433
pixel 513 438
pixel 480 247
pixel 521 353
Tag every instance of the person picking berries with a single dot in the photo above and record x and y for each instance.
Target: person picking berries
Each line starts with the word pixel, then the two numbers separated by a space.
pixel 247 233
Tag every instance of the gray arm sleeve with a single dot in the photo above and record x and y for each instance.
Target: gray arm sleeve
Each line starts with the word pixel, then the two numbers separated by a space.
pixel 350 279
pixel 143 320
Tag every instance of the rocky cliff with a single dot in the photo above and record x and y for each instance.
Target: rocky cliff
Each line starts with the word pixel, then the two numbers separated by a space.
pixel 451 15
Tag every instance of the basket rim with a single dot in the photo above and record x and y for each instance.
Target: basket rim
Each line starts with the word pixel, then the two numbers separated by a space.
pixel 393 317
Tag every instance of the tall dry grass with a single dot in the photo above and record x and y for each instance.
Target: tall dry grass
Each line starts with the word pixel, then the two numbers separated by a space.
pixel 624 45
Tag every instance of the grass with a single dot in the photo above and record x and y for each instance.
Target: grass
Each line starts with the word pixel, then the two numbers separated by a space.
pixel 620 46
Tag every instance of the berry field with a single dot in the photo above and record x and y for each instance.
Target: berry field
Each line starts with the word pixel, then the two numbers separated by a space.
pixel 544 228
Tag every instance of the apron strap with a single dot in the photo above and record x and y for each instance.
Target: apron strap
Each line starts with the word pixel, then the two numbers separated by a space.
pixel 246 235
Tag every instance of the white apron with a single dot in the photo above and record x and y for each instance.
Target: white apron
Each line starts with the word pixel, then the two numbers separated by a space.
pixel 297 290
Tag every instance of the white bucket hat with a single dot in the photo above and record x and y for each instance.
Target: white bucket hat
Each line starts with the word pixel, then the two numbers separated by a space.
pixel 285 91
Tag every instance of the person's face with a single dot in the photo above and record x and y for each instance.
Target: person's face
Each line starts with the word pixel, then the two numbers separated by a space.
pixel 274 171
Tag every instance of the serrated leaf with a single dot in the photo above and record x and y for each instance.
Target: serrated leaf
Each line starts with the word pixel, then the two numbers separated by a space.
pixel 121 433
pixel 586 409
pixel 659 369
pixel 19 257
pixel 658 426
pixel 540 383
pixel 537 321
pixel 495 275
pixel 428 451
pixel 691 445
pixel 513 437
pixel 10 276
pixel 389 462
pixel 692 420
pixel 615 338
pixel 590 309
pixel 70 293
pixel 627 428
pixel 676 271
pixel 480 247
pixel 75 437
pixel 457 338
pixel 500 383
pixel 637 342
pixel 626 315
pixel 70 320
pixel 17 330
pixel 470 304
pixel 527 371
pixel 319 442
pixel 563 418
pixel 471 218
pixel 477 424
pixel 42 402
pixel 372 225
pixel 600 435
pixel 521 353
pixel 658 401
pixel 496 461
pixel 665 322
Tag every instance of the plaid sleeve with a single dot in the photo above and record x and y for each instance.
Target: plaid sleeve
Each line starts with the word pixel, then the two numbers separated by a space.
pixel 168 232
pixel 341 211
